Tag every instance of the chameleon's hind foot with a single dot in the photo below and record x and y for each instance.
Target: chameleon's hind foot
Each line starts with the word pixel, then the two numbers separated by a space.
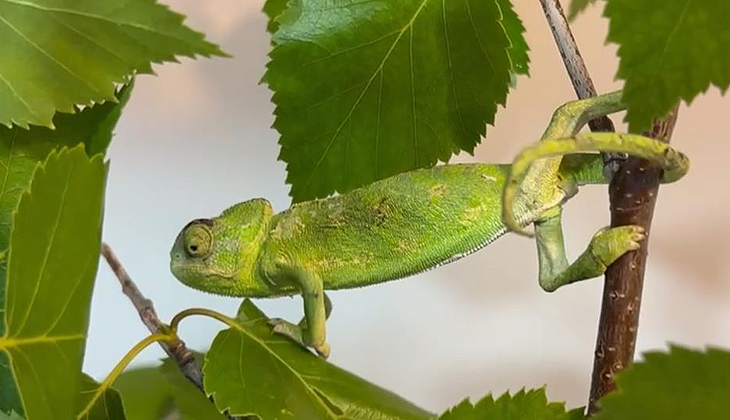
pixel 297 334
pixel 609 244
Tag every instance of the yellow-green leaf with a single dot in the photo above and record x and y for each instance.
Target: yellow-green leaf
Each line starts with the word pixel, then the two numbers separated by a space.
pixel 54 253
pixel 250 371
pixel 56 54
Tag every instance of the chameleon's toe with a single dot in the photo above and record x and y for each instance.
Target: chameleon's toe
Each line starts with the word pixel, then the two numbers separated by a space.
pixel 609 244
pixel 287 329
pixel 323 350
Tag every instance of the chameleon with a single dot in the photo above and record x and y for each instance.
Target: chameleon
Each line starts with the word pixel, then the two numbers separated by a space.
pixel 415 221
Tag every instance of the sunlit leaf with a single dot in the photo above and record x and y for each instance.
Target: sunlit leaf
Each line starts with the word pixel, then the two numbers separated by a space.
pixel 253 372
pixel 56 54
pixel 54 253
pixel 367 89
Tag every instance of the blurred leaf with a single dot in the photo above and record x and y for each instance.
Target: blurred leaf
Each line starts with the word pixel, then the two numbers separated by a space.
pixel 669 50
pixel 516 34
pixel 107 407
pixel 681 384
pixel 577 7
pixel 367 89
pixel 145 393
pixel 531 404
pixel 154 392
pixel 272 9
pixel 251 371
pixel 56 54
pixel 54 253
pixel 11 416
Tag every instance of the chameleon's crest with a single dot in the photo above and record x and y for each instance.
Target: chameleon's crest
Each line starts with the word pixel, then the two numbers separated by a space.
pixel 220 255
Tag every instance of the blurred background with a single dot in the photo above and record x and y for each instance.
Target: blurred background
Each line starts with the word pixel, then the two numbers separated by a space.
pixel 197 138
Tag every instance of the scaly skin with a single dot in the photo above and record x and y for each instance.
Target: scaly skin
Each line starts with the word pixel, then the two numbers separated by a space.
pixel 415 221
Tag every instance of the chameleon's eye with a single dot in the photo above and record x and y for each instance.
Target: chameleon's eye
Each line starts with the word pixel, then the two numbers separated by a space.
pixel 198 240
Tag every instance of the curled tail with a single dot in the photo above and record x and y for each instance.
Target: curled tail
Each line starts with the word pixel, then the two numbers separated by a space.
pixel 674 163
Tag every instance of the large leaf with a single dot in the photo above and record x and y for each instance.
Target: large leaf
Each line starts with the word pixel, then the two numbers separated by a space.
pixel 532 404
pixel 152 393
pixel 57 53
pixel 669 50
pixel 54 253
pixel 367 89
pixel 681 384
pixel 20 152
pixel 250 371
pixel 107 407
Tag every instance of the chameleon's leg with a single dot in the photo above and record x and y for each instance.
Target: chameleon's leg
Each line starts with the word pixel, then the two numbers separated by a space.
pixel 674 163
pixel 314 312
pixel 606 246
pixel 327 311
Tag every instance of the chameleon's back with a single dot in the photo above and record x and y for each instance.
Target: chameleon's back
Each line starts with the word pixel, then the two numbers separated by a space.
pixel 395 227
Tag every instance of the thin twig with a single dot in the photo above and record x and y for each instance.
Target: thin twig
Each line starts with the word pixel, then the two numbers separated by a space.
pixel 633 193
pixel 186 361
pixel 578 72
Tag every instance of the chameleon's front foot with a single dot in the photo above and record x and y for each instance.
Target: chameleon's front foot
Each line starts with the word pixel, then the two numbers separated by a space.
pixel 298 335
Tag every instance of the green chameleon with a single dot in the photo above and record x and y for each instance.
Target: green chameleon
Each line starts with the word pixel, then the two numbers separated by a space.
pixel 415 221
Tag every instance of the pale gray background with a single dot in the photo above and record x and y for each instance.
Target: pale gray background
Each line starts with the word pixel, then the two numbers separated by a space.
pixel 197 139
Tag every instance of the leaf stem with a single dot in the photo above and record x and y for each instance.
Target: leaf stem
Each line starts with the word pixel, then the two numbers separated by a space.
pixel 200 311
pixel 119 368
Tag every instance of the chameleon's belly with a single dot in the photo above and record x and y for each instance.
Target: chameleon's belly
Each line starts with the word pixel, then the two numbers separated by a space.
pixel 396 227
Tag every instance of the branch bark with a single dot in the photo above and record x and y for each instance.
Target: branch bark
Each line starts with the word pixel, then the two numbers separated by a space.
pixel 186 361
pixel 632 194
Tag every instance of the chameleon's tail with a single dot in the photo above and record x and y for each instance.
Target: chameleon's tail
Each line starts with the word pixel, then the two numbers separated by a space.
pixel 674 162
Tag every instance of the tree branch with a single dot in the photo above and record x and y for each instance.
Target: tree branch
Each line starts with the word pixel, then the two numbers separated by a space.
pixel 632 193
pixel 186 361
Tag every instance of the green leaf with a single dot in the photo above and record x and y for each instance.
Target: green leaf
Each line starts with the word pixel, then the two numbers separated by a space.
pixel 153 393
pixel 250 371
pixel 516 34
pixel 56 54
pixel 681 384
pixel 669 50
pixel 577 7
pixel 107 407
pixel 368 89
pixel 54 253
pixel 531 404
pixel 272 9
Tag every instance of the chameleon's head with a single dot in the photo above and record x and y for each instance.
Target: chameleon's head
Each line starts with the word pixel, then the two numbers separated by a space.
pixel 219 255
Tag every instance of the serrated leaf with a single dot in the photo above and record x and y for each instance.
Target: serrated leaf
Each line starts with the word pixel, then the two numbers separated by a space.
pixel 272 9
pixel 54 253
pixel 367 89
pixel 107 407
pixel 577 7
pixel 681 384
pixel 530 404
pixel 669 50
pixel 56 54
pixel 251 371
pixel 516 34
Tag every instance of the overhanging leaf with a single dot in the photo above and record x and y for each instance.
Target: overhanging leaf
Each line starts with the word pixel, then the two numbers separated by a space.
pixel 54 253
pixel 577 7
pixel 56 54
pixel 516 34
pixel 669 50
pixel 367 89
pixel 681 384
pixel 107 407
pixel 250 371
pixel 272 9
pixel 530 404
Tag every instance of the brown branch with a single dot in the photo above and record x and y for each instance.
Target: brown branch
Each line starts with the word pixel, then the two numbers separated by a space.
pixel 186 361
pixel 632 192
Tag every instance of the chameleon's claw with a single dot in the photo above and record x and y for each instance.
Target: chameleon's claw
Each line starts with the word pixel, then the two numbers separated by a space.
pixel 296 334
